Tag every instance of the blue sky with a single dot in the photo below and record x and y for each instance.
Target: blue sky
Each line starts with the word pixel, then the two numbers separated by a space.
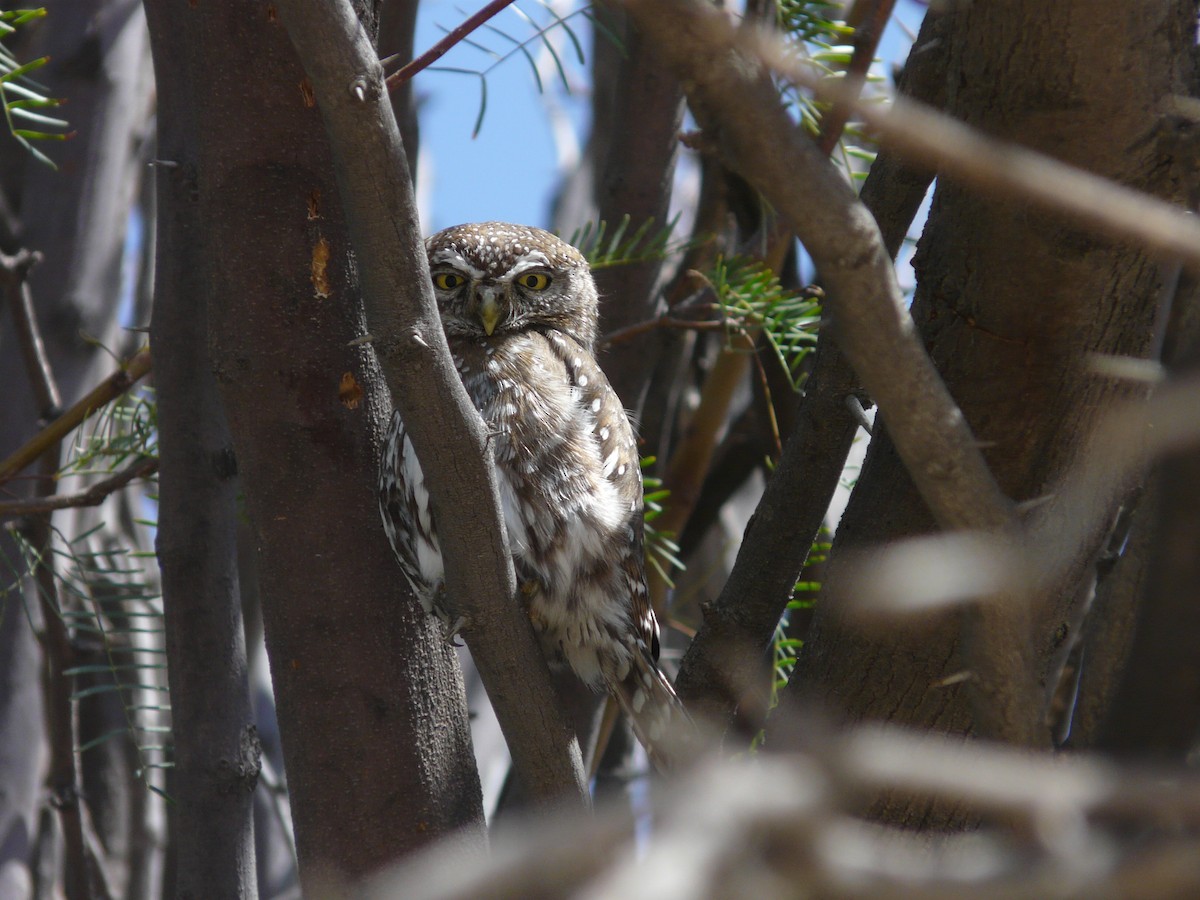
pixel 510 170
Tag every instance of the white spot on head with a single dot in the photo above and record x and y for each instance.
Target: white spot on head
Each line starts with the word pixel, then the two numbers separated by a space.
pixel 596 405
pixel 621 469
pixel 604 433
pixel 583 381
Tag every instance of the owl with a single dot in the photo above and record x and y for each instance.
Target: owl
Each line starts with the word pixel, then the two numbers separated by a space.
pixel 519 309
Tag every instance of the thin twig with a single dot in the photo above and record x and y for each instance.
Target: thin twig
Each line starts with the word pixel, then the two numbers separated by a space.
pixel 15 271
pixel 108 390
pixel 867 33
pixel 664 321
pixel 90 496
pixel 62 777
pixel 438 50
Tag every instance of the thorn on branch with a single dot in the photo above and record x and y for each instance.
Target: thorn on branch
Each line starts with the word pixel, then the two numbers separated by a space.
pixel 859 413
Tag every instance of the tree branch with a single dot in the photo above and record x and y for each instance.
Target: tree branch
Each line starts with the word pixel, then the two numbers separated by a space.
pixel 689 464
pixel 438 50
pixel 108 390
pixel 93 495
pixel 15 270
pixel 445 429
pixel 62 777
pixel 734 98
pixel 634 173
pixel 931 139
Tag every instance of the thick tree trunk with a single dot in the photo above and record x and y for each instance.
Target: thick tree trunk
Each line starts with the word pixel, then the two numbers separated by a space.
pixel 1009 303
pixel 634 171
pixel 370 703
pixel 216 745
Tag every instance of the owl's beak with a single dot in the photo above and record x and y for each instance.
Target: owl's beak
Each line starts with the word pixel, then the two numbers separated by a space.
pixel 489 313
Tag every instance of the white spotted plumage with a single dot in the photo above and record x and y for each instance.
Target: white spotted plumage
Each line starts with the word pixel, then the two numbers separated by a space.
pixel 519 309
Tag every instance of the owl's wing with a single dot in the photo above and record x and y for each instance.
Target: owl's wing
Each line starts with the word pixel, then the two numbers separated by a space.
pixel 404 508
pixel 620 463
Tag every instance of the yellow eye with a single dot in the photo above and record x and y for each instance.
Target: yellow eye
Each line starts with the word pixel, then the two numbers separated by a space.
pixel 448 281
pixel 534 281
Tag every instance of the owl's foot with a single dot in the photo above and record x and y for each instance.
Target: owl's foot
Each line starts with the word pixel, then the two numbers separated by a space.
pixel 450 630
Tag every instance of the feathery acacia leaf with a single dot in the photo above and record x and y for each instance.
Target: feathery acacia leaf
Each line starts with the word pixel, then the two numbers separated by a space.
pixel 15 82
pixel 603 250
pixel 539 32
pixel 752 299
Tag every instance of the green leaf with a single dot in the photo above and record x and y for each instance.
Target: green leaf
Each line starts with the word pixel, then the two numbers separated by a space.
pixel 104 738
pixel 14 73
pixel 115 688
pixel 19 17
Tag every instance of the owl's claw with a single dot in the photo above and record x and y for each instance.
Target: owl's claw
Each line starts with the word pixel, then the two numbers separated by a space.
pixel 450 630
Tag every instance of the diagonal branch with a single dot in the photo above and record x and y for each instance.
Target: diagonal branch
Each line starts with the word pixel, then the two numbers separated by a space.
pixel 116 384
pixel 438 50
pixel 15 272
pixel 93 495
pixel 868 29
pixel 691 461
pixel 446 431
pixel 722 666
pixel 734 99
pixel 929 138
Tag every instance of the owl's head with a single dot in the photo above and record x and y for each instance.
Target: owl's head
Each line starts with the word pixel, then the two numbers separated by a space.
pixel 494 278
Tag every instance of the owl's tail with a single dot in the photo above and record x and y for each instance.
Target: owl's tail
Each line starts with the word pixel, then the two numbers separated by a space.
pixel 659 720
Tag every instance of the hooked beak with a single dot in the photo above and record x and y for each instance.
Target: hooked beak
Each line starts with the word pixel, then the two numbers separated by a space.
pixel 489 313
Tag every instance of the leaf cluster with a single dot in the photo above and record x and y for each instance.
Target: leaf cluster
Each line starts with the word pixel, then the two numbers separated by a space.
pixel 105 593
pixel 753 301
pixel 533 35
pixel 620 248
pixel 815 33
pixel 662 552
pixel 22 96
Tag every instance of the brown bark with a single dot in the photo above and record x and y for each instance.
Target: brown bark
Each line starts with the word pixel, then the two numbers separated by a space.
pixel 1009 302
pixel 723 663
pixel 216 747
pixel 634 174
pixel 370 703
pixel 1153 680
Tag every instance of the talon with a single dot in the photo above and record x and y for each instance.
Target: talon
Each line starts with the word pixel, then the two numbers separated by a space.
pixel 450 631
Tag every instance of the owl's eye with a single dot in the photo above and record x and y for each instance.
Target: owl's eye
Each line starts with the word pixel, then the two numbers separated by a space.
pixel 448 281
pixel 534 281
